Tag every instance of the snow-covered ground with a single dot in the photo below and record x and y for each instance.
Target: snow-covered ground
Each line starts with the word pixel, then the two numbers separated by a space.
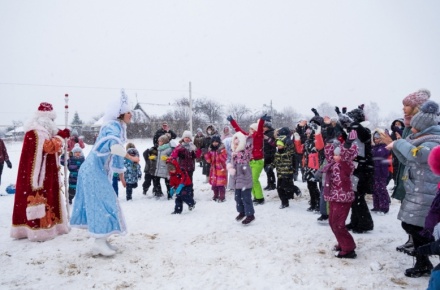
pixel 206 248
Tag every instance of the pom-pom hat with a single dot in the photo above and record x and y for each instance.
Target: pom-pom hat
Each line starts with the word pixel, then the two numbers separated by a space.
pixel 77 148
pixel 416 99
pixel 427 117
pixel 187 134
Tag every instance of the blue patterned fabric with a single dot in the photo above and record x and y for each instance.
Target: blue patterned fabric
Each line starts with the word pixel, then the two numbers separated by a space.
pixel 96 206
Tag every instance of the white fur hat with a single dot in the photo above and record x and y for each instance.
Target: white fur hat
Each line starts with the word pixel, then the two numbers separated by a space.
pixel 117 108
pixel 187 134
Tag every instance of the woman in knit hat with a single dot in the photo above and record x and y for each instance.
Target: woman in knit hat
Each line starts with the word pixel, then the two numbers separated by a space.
pixel 411 105
pixel 419 180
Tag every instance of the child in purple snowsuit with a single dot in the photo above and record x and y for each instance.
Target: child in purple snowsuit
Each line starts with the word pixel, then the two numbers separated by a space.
pixel 381 198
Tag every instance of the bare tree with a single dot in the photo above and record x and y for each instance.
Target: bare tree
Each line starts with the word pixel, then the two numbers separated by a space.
pixel 238 111
pixel 372 114
pixel 209 109
pixel 326 109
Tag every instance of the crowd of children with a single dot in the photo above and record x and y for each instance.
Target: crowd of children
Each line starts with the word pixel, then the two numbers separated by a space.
pixel 339 159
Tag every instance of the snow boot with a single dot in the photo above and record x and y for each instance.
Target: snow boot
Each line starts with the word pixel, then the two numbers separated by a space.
pixel 248 219
pixel 100 247
pixel 422 267
pixel 240 217
pixel 322 218
pixel 408 245
pixel 259 201
pixel 346 255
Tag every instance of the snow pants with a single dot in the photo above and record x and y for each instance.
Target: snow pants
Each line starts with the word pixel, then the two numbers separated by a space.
pixel 337 216
pixel 243 200
pixel 257 167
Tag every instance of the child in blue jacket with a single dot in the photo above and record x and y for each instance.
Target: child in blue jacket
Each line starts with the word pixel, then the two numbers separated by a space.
pixel 133 171
pixel 75 161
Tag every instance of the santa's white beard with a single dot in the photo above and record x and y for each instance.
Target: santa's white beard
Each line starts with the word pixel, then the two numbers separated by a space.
pixel 45 122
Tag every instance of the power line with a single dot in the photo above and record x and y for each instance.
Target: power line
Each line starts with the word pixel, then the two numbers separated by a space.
pixel 90 87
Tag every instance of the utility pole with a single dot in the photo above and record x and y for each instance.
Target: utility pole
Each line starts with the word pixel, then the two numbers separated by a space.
pixel 190 111
pixel 271 110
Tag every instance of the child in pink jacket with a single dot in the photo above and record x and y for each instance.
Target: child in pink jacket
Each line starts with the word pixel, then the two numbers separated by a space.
pixel 338 191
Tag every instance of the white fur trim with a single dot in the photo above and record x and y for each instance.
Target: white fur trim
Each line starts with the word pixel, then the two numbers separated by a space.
pixel 118 149
pixel 35 211
pixel 241 144
pixel 39 168
pixel 49 114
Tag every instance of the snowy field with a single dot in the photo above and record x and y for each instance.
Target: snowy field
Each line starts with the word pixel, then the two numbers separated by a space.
pixel 206 248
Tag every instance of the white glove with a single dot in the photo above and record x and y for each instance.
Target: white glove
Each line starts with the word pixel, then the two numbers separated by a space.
pixel 318 130
pixel 296 135
pixel 118 149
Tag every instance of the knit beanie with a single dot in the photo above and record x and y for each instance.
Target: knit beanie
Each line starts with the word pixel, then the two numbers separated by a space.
pixel 267 124
pixel 133 152
pixel 216 138
pixel 187 134
pixel 254 126
pixel 427 116
pixel 74 133
pixel 76 148
pixel 164 138
pixel 416 99
pixel 280 143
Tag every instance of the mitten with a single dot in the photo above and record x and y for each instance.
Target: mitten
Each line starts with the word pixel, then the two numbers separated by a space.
pixel 337 110
pixel 344 110
pixel 315 112
pixel 351 137
pixel 179 189
pixel 152 157
pixel 318 130
pixel 265 117
pixel 230 168
pixel 296 136
pixel 172 191
pixel 164 158
pixel 229 118
pixel 65 133
pixel 8 162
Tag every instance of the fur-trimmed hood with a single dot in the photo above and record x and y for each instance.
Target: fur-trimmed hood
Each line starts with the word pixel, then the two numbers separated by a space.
pixel 241 144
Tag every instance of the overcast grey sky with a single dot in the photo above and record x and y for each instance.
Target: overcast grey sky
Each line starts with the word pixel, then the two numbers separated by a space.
pixel 295 53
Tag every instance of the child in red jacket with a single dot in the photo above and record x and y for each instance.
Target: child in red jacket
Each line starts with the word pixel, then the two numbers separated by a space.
pixel 181 185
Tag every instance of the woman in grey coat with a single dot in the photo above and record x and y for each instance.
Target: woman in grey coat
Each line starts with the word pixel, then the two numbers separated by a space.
pixel 419 181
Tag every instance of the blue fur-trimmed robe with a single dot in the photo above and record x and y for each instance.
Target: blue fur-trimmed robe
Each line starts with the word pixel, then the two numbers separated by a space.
pixel 96 205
